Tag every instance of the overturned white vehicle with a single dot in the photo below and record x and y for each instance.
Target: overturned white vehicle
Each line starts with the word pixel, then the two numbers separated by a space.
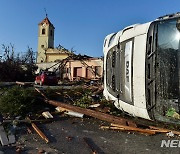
pixel 142 68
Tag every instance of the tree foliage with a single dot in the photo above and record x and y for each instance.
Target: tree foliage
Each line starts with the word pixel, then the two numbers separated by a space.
pixel 15 67
pixel 17 101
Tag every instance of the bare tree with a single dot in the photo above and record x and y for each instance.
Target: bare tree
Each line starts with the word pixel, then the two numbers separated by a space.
pixel 15 67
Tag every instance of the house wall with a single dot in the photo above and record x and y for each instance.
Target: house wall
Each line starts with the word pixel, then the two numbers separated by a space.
pixel 56 54
pixel 54 57
pixel 75 65
pixel 86 70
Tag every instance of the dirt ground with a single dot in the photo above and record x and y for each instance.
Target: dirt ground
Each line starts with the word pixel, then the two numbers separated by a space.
pixel 67 135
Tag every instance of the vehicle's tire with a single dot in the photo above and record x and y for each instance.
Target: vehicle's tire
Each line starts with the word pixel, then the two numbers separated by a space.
pixel 41 83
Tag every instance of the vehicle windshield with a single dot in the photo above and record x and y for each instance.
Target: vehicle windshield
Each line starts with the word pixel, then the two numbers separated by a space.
pixel 50 73
pixel 168 62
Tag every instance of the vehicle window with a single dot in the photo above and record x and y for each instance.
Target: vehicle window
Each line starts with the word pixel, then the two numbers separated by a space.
pixel 50 73
pixel 168 49
pixel 111 39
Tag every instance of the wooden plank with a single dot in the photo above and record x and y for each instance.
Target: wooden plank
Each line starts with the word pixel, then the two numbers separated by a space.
pixel 92 113
pixel 47 115
pixel 88 112
pixel 20 83
pixel 41 93
pixel 148 131
pixel 142 131
pixel 163 130
pixel 3 136
pixel 117 122
pixel 24 83
pixel 132 124
pixel 40 133
pixel 61 109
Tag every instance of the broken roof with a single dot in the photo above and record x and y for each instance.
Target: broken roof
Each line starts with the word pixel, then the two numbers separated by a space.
pixel 47 21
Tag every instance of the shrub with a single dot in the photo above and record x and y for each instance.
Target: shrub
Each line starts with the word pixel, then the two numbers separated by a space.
pixel 19 101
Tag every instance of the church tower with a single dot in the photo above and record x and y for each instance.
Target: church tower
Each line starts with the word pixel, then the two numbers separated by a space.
pixel 45 39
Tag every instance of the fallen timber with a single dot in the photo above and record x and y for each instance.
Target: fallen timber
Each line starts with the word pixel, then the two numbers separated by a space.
pixel 38 131
pixel 24 83
pixel 88 112
pixel 118 123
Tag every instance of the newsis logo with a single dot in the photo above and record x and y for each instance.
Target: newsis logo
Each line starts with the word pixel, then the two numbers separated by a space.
pixel 170 143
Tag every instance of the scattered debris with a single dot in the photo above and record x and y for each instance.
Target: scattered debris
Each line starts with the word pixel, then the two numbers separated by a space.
pixel 18 150
pixel 3 136
pixel 94 105
pixel 11 139
pixel 60 109
pixel 118 123
pixel 68 112
pixel 24 83
pixel 163 130
pixel 95 108
pixel 128 128
pixel 88 112
pixel 75 114
pixel 39 132
pixel 29 130
pixel 47 115
pixel 20 83
pixel 170 134
pixel 151 130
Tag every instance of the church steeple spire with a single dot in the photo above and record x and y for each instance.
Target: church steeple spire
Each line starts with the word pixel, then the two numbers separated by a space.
pixel 46 12
pixel 45 39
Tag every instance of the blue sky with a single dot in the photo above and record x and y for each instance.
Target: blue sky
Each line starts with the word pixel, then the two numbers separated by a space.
pixel 79 24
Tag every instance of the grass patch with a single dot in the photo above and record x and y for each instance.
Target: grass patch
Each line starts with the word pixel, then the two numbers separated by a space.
pixel 17 101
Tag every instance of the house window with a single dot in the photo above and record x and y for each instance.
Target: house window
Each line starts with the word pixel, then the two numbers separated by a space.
pixel 98 71
pixel 43 31
pixel 42 46
pixel 77 72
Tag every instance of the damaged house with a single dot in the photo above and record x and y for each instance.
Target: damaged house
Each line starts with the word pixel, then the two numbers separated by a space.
pixel 66 64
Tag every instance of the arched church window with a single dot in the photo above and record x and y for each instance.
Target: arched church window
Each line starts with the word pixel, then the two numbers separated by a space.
pixel 43 31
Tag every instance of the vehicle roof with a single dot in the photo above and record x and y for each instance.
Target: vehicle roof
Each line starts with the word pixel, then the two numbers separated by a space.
pixel 125 34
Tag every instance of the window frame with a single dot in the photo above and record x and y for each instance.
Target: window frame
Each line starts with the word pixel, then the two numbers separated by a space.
pixel 43 32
